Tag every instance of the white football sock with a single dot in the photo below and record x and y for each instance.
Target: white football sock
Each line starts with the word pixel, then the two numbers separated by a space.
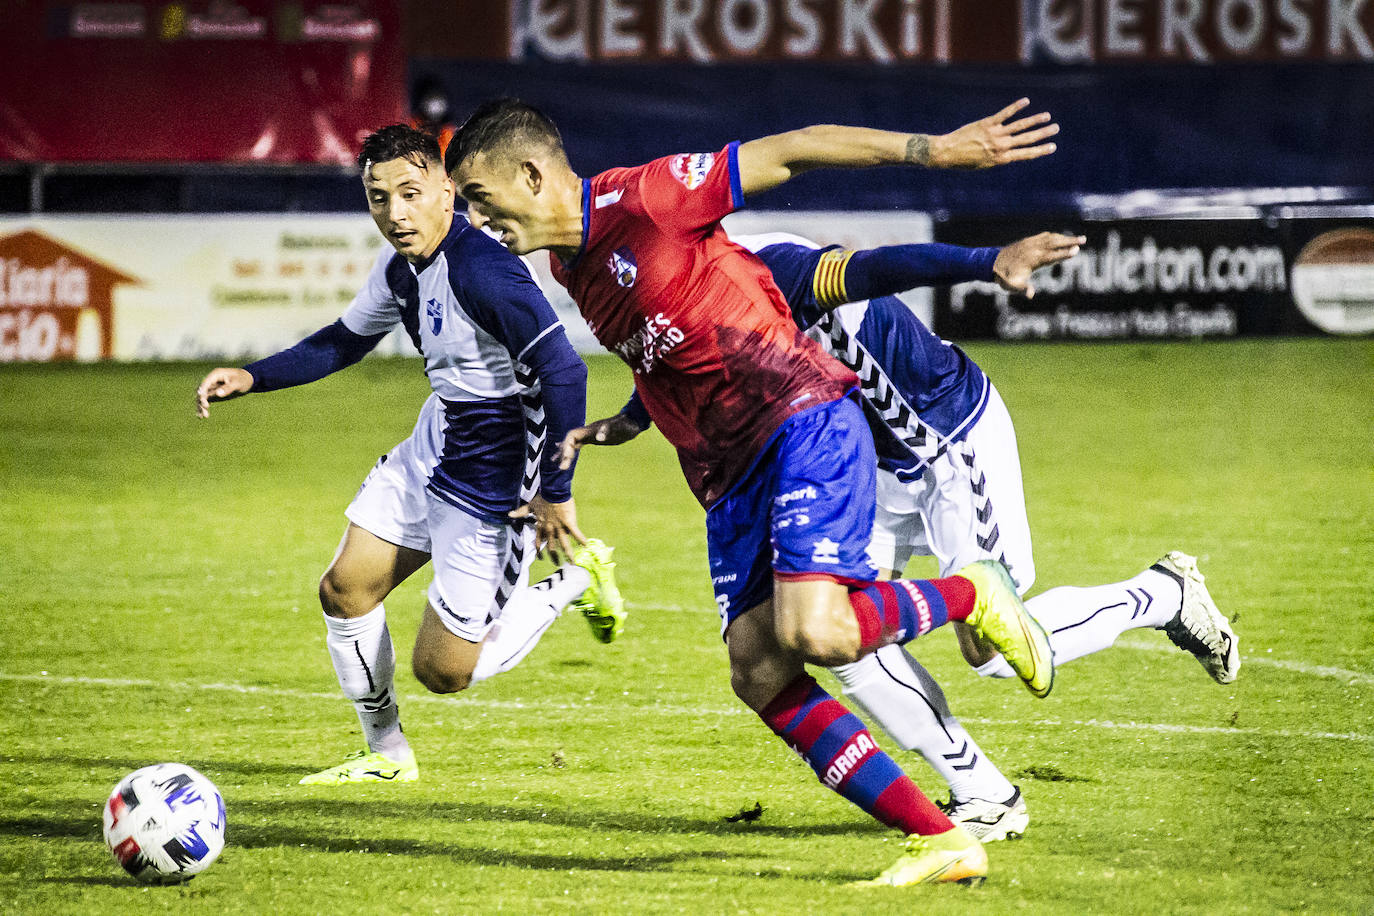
pixel 1081 621
pixel 526 616
pixel 365 662
pixel 901 696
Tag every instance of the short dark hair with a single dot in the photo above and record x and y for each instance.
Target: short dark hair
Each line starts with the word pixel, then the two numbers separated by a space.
pixel 502 126
pixel 400 141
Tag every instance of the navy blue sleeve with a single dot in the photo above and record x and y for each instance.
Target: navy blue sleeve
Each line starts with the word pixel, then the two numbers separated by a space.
pixel 328 350
pixel 895 268
pixel 634 409
pixel 563 387
pixel 498 293
pixel 793 267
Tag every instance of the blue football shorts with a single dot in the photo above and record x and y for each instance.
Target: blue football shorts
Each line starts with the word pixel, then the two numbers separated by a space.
pixel 805 508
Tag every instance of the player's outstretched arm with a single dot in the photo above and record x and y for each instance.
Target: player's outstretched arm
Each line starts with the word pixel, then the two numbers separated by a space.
pixel 222 384
pixel 331 348
pixel 1016 262
pixel 995 140
pixel 609 431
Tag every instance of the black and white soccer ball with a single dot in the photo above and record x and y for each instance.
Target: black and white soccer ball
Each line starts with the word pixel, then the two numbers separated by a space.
pixel 165 823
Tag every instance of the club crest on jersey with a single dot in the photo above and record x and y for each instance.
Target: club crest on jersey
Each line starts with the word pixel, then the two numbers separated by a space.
pixel 435 312
pixel 692 168
pixel 623 266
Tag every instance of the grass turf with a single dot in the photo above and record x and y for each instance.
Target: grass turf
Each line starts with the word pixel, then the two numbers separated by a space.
pixel 158 576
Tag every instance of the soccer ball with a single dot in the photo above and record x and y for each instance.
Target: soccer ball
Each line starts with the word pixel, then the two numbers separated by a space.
pixel 165 823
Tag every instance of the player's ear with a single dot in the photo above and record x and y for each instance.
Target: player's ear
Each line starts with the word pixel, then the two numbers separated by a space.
pixel 532 175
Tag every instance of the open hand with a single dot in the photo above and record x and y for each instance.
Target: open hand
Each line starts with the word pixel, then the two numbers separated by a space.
pixel 555 527
pixel 993 141
pixel 1016 262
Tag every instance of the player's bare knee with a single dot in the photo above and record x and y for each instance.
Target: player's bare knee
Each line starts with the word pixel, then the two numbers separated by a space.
pixel 744 684
pixel 819 639
pixel 339 598
pixel 757 685
pixel 439 679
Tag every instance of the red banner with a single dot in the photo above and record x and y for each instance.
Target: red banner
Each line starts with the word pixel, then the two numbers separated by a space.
pixel 199 80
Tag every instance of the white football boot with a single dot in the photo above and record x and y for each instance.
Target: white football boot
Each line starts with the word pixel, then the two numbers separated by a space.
pixel 989 821
pixel 1199 627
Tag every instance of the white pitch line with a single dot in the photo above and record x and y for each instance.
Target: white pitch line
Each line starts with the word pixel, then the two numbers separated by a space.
pixel 466 701
pixel 1179 729
pixel 1164 648
pixel 1344 674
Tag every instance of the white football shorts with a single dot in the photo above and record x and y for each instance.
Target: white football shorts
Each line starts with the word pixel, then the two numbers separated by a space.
pixel 478 565
pixel 969 505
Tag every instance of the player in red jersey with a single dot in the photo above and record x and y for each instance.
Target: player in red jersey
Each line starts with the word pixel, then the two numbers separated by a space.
pixel 768 437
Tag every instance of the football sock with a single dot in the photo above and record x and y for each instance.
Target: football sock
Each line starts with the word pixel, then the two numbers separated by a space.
pixel 1081 621
pixel 525 618
pixel 899 694
pixel 365 662
pixel 899 610
pixel 835 744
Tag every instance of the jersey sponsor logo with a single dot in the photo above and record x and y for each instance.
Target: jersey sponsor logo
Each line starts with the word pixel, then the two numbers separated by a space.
pixel 623 266
pixel 807 492
pixel 656 338
pixel 692 168
pixel 610 197
pixel 825 551
pixel 435 312
pixel 849 759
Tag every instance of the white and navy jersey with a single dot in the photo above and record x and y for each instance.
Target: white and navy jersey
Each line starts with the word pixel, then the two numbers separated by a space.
pixel 920 392
pixel 491 344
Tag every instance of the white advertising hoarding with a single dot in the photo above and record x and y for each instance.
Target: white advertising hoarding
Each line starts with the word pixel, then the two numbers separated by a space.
pixel 234 288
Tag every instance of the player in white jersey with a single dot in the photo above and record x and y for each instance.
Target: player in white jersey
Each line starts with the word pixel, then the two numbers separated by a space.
pixel 481 464
pixel 949 486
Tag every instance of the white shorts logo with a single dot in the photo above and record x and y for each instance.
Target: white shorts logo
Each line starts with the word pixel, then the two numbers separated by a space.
pixel 825 551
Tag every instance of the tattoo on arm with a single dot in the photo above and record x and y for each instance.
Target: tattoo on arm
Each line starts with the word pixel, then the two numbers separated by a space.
pixel 918 150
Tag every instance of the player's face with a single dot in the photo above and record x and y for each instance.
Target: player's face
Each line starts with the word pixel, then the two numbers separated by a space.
pixel 412 206
pixel 501 200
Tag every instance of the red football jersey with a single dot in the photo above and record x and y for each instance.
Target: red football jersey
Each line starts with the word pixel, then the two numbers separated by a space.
pixel 718 360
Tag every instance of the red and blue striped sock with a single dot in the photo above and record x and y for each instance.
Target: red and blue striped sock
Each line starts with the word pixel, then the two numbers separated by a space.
pixel 902 609
pixel 835 744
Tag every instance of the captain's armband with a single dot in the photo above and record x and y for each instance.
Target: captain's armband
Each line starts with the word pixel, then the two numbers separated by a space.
pixel 827 283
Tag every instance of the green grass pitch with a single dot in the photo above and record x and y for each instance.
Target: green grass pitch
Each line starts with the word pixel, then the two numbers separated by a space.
pixel 158 582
